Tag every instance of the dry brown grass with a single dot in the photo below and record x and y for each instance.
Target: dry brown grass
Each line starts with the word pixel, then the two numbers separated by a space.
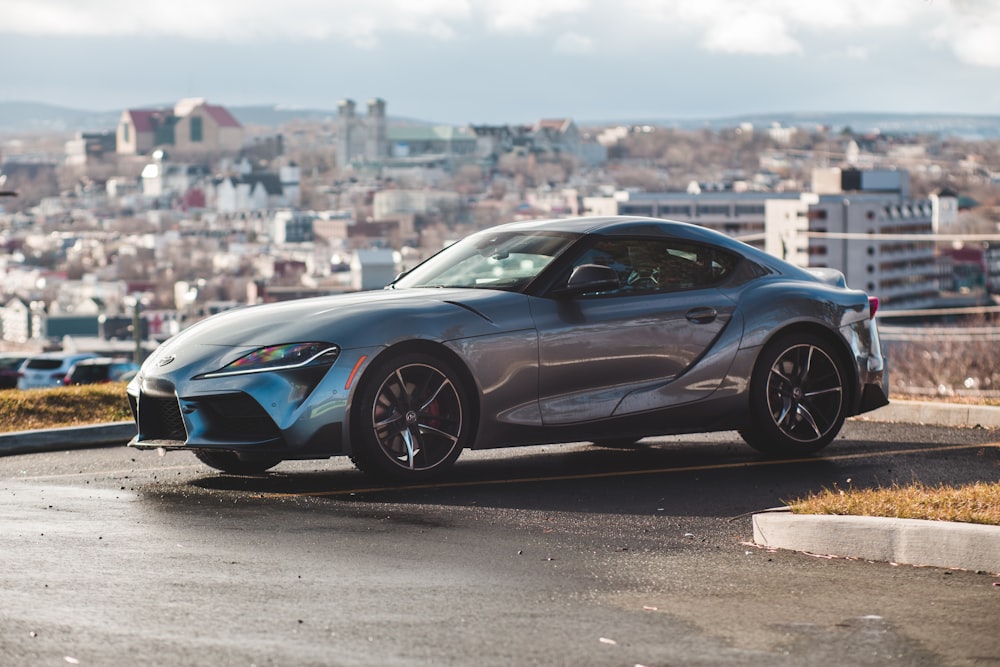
pixel 22 410
pixel 934 365
pixel 970 503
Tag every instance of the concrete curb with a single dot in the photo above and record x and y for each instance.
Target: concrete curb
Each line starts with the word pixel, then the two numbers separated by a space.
pixel 74 437
pixel 936 414
pixel 947 544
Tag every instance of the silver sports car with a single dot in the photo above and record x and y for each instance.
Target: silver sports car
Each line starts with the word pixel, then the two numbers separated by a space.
pixel 588 329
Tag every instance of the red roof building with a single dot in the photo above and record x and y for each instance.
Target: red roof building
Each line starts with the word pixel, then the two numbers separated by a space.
pixel 192 127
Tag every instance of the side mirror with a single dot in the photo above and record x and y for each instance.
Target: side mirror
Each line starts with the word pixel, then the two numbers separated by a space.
pixel 590 278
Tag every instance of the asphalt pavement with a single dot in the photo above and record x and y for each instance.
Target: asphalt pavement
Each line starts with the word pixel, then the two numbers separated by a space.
pixel 943 544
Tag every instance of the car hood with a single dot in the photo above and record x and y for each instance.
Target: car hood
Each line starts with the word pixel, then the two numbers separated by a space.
pixel 364 318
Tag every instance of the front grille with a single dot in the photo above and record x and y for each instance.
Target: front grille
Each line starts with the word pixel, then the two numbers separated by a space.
pixel 237 418
pixel 160 419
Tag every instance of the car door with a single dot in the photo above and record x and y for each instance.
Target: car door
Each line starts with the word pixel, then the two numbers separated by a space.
pixel 596 348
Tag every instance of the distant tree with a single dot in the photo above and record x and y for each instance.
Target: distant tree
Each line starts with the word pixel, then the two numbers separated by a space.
pixel 468 179
pixel 643 178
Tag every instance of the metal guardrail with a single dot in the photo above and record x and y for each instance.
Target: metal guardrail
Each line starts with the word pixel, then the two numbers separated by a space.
pixel 937 312
pixel 938 334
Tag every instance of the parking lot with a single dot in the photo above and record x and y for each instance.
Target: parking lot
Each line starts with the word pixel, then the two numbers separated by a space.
pixel 566 554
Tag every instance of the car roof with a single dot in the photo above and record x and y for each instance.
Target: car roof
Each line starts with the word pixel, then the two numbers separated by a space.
pixel 605 224
pixel 61 355
pixel 94 361
pixel 625 225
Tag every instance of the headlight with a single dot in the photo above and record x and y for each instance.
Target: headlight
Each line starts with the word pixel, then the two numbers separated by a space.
pixel 290 356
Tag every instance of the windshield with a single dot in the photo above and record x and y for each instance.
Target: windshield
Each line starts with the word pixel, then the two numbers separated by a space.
pixel 490 260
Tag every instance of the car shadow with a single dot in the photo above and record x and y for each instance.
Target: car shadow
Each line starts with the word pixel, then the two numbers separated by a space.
pixel 685 476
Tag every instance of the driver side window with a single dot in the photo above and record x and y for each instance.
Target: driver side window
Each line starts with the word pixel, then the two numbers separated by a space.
pixel 649 266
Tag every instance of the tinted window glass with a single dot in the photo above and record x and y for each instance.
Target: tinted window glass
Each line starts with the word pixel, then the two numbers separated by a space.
pixel 645 265
pixel 12 363
pixel 44 364
pixel 89 373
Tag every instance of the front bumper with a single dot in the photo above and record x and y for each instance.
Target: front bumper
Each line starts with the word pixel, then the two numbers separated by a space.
pixel 282 413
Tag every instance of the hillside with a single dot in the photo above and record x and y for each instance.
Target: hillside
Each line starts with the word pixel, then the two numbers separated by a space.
pixel 23 117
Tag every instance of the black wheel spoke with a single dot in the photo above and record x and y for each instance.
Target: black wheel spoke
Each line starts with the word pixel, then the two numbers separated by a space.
pixel 807 419
pixel 426 404
pixel 804 375
pixel 410 447
pixel 450 437
pixel 787 408
pixel 822 392
pixel 392 420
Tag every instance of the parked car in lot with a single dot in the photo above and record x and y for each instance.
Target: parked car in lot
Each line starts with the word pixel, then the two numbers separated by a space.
pixel 100 369
pixel 9 366
pixel 601 329
pixel 48 369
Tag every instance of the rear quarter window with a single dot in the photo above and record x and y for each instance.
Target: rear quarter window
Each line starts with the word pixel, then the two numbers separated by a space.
pixel 44 364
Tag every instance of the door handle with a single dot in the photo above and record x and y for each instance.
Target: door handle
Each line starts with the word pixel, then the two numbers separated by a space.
pixel 701 315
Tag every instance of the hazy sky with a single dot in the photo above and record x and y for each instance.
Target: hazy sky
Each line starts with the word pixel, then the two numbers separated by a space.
pixel 495 61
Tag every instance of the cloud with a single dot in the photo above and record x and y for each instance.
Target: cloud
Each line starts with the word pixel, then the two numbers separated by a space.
pixel 526 16
pixel 856 53
pixel 572 42
pixel 848 52
pixel 969 29
pixel 972 32
pixel 752 33
pixel 235 20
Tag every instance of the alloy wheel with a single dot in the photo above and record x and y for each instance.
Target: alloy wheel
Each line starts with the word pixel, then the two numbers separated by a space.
pixel 805 393
pixel 417 417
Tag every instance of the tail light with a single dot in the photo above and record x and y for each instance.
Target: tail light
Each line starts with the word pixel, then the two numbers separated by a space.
pixel 872 306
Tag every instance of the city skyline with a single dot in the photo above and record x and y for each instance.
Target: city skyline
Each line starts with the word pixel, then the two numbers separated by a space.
pixel 485 61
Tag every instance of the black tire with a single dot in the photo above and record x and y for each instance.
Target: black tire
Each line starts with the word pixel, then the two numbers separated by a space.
pixel 798 396
pixel 235 464
pixel 412 419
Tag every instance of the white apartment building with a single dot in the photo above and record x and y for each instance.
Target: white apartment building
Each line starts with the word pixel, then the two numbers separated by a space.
pixel 741 215
pixel 864 224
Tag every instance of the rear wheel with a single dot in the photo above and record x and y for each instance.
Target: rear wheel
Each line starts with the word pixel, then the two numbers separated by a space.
pixel 798 396
pixel 236 464
pixel 413 418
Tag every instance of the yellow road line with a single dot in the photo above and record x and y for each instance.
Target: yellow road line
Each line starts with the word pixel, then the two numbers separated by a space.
pixel 626 473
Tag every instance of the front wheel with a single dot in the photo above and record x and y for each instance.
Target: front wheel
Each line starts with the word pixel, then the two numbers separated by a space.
pixel 798 396
pixel 235 464
pixel 413 418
